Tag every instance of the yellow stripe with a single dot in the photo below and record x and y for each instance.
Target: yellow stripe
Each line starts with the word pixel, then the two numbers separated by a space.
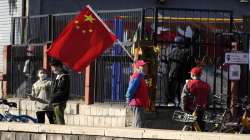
pixel 194 19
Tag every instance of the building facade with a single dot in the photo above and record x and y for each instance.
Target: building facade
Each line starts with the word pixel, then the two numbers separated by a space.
pixel 37 7
pixel 8 9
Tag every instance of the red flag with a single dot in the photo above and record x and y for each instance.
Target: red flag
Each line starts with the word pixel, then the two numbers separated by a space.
pixel 83 39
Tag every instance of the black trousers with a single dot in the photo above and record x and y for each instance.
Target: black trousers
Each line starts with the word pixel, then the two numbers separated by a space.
pixel 173 90
pixel 41 116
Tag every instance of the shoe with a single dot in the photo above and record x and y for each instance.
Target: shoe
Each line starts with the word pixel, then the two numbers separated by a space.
pixel 170 104
pixel 176 102
pixel 163 104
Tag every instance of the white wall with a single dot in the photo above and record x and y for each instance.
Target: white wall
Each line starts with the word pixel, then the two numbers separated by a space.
pixel 5 24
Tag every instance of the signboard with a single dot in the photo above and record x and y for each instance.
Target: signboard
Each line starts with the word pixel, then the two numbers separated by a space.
pixel 236 58
pixel 234 72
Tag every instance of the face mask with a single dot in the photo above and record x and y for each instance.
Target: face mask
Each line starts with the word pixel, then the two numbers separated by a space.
pixel 42 76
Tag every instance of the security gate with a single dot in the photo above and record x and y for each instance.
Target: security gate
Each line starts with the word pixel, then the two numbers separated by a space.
pixel 203 37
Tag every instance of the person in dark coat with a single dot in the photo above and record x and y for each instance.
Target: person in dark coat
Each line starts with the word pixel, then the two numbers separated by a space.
pixel 60 90
pixel 177 59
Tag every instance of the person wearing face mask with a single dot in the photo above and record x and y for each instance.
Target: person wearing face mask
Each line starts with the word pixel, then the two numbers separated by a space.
pixel 137 94
pixel 60 90
pixel 40 94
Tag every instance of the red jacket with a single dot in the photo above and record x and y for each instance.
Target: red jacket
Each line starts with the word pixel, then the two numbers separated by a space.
pixel 140 95
pixel 195 92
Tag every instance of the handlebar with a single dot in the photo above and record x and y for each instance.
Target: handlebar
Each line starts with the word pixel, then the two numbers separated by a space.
pixel 10 104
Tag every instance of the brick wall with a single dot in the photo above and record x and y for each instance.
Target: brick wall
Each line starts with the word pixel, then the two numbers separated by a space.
pixel 77 113
pixel 22 131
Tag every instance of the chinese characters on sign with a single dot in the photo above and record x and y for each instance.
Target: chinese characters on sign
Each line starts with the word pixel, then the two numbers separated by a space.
pixel 236 58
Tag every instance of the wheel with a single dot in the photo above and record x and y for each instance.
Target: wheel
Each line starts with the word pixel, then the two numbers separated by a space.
pixel 213 129
pixel 244 130
pixel 25 119
pixel 1 117
pixel 187 128
pixel 230 130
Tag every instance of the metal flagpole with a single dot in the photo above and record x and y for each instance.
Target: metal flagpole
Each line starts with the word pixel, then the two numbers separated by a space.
pixel 123 44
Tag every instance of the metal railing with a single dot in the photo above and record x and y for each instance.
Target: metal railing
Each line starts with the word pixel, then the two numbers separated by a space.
pixel 112 68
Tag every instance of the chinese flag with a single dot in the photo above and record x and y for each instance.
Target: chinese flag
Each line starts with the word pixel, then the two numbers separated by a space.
pixel 83 39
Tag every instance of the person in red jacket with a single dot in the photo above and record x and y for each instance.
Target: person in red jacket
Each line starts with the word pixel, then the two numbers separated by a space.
pixel 195 94
pixel 137 94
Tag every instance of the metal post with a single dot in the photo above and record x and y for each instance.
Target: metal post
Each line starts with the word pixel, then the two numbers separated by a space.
pixel 155 25
pixel 142 24
pixel 13 31
pixel 50 28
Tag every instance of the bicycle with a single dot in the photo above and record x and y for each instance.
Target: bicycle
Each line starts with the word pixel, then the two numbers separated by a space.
pixel 242 126
pixel 9 117
pixel 218 120
pixel 190 120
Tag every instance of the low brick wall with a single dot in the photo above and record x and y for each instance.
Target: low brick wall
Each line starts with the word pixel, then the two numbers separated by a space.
pixel 100 115
pixel 22 131
pixel 77 113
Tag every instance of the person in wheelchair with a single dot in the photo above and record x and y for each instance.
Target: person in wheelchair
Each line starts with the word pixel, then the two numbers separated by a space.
pixel 194 96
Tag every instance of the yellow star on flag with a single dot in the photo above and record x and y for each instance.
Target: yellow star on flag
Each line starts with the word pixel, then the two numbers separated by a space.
pixel 89 18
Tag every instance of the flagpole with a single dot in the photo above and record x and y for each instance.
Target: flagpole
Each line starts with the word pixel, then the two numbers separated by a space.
pixel 123 47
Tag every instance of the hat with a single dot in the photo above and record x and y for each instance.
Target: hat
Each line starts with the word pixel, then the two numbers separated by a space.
pixel 140 63
pixel 55 62
pixel 196 71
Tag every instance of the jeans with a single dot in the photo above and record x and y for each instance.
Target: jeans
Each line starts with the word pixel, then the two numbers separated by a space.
pixel 58 109
pixel 137 120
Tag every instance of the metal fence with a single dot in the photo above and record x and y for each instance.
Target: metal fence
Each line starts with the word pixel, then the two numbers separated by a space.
pixel 112 68
pixel 209 38
pixel 21 81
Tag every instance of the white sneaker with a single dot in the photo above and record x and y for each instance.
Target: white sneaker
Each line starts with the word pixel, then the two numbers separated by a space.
pixel 171 104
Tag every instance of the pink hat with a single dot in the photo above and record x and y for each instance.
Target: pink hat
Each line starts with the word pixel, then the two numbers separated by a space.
pixel 140 63
pixel 196 71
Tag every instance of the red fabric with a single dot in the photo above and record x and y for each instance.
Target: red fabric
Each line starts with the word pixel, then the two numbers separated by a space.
pixel 200 90
pixel 83 39
pixel 167 36
pixel 196 71
pixel 141 96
